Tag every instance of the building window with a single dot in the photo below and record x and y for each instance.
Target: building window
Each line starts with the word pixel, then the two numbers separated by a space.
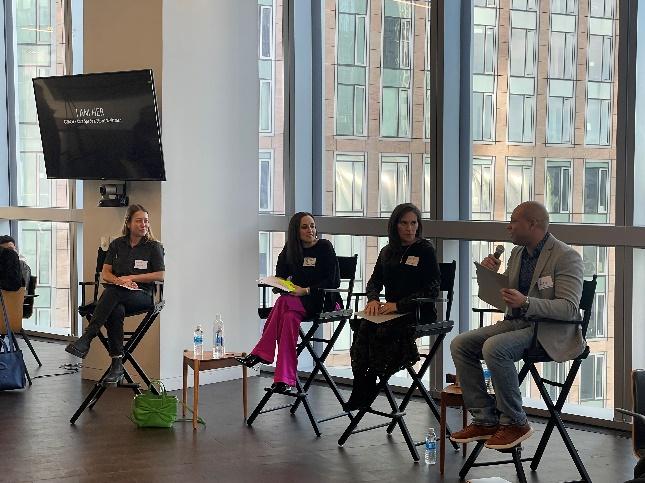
pixel 483 116
pixel 596 191
pixel 350 174
pixel 564 6
pixel 266 180
pixel 558 189
pixel 426 187
pixel 560 112
pixel 601 8
pixel 562 72
pixel 600 56
pixel 427 82
pixel 519 183
pixel 556 372
pixel 524 5
pixel 482 186
pixel 594 261
pixel 266 32
pixel 600 60
pixel 266 61
pixel 351 69
pixel 396 74
pixel 592 379
pixel 394 186
pixel 523 60
pixel 484 69
pixel 265 268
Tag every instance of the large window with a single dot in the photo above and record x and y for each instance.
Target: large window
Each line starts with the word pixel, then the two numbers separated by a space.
pixel 266 180
pixel 36 46
pixel 484 70
pixel 596 192
pixel 397 63
pixel 482 194
pixel 522 79
pixel 600 68
pixel 559 178
pixel 350 174
pixel 394 186
pixel 593 375
pixel 519 183
pixel 375 91
pixel 352 31
pixel 271 114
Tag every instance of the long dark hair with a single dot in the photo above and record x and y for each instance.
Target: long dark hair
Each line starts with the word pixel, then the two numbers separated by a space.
pixel 294 244
pixel 132 209
pixel 392 225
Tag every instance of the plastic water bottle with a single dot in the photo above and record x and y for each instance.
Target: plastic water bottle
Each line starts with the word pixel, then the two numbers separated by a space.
pixel 198 341
pixel 487 379
pixel 218 337
pixel 431 447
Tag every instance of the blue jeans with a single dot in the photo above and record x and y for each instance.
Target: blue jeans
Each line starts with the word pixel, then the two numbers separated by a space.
pixel 500 345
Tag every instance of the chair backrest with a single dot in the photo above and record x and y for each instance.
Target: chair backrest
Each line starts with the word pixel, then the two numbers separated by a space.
pixel 13 301
pixel 447 271
pixel 638 430
pixel 28 306
pixel 347 268
pixel 100 259
pixel 586 302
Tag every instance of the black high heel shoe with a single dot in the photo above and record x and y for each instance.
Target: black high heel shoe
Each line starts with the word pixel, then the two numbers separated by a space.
pixel 251 360
pixel 281 387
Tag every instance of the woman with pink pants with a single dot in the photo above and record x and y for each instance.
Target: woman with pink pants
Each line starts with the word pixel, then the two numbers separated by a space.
pixel 310 263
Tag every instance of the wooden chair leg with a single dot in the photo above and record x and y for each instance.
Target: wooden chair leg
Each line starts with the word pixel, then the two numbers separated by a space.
pixel 464 419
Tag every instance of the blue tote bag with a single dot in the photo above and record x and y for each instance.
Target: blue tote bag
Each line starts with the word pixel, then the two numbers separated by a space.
pixel 12 365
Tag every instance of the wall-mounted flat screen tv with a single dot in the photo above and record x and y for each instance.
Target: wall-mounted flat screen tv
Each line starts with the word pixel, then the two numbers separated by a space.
pixel 100 126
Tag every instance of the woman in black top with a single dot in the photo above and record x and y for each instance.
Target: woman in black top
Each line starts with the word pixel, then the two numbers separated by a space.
pixel 407 267
pixel 133 263
pixel 311 264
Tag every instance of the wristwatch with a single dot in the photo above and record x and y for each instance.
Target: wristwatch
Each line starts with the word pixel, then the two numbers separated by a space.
pixel 525 306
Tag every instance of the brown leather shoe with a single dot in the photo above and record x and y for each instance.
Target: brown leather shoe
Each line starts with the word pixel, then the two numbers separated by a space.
pixel 509 436
pixel 474 432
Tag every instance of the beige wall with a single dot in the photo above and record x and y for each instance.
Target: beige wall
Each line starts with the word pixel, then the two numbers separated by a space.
pixel 121 35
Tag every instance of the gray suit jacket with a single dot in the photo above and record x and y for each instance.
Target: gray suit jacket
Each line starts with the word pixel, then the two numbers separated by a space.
pixel 559 301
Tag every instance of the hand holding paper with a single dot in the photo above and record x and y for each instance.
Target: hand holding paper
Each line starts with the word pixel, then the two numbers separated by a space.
pixel 279 283
pixel 490 286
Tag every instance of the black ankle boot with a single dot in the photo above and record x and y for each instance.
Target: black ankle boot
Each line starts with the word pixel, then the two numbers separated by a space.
pixel 81 347
pixel 116 371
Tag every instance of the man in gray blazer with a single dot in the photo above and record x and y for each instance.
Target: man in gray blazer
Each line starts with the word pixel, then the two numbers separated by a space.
pixel 545 278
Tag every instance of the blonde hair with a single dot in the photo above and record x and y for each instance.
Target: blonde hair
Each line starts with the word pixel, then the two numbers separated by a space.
pixel 132 209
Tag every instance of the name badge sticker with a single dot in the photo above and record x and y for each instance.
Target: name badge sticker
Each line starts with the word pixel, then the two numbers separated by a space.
pixel 309 262
pixel 141 264
pixel 412 261
pixel 545 282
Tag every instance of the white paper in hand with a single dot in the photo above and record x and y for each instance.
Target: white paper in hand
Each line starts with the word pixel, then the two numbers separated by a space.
pixel 490 283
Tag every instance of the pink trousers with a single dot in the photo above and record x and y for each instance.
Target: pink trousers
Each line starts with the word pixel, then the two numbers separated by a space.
pixel 282 327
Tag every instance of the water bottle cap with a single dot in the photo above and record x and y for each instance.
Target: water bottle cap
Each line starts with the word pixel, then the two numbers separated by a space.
pixel 218 316
pixel 199 327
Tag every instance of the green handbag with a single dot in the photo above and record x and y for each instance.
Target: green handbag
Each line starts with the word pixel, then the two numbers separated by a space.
pixel 150 410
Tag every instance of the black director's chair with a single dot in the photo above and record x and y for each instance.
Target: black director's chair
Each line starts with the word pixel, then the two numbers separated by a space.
pixel 347 268
pixel 439 329
pixel 536 354
pixel 131 338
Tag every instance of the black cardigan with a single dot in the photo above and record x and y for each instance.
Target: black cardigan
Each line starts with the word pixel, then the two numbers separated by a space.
pixel 319 270
pixel 407 273
pixel 10 272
